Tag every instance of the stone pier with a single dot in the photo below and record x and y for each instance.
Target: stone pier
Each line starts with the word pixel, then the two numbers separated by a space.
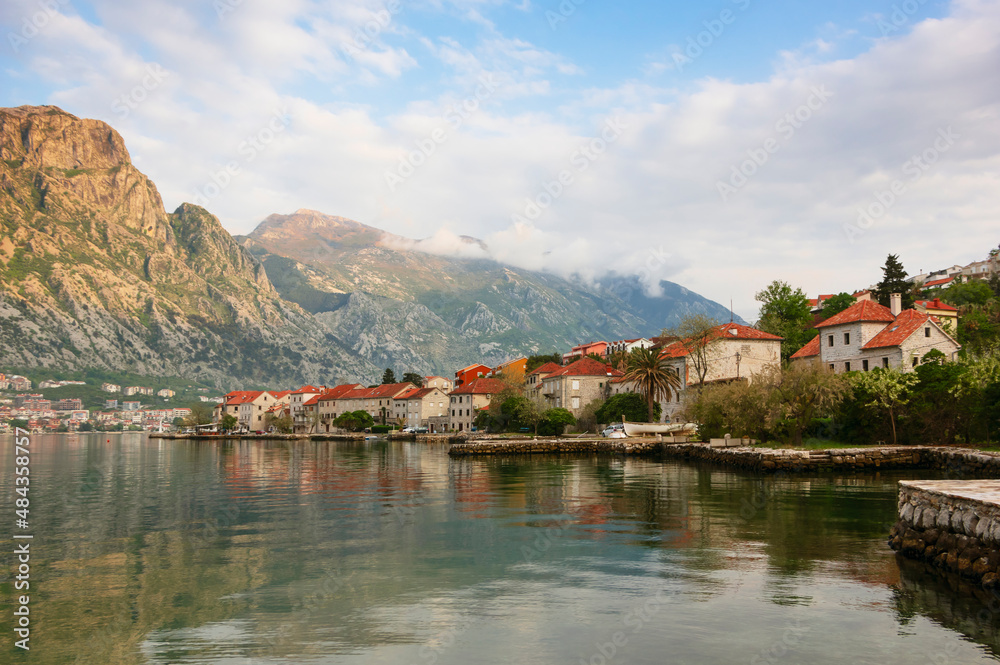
pixel 952 524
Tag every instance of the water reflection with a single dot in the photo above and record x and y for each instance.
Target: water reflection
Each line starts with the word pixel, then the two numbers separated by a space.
pixel 253 552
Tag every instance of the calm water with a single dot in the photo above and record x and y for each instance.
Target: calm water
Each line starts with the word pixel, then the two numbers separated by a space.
pixel 177 552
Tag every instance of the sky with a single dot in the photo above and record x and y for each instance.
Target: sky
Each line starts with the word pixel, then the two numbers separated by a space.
pixel 721 144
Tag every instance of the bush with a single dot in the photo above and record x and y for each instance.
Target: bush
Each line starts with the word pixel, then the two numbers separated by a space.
pixel 383 429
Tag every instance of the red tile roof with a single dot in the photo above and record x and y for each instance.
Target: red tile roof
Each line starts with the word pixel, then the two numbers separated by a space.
pixel 936 304
pixel 281 394
pixel 313 400
pixel 417 393
pixel 908 322
pixel 338 391
pixel 481 386
pixel 809 350
pixel 674 350
pixel 243 396
pixel 866 310
pixel 307 389
pixel 585 367
pixel 547 368
pixel 937 282
pixel 737 331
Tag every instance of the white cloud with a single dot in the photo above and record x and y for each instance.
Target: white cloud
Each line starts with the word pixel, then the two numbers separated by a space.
pixel 652 192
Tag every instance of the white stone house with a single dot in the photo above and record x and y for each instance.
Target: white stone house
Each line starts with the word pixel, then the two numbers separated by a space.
pixel 869 335
pixel 415 406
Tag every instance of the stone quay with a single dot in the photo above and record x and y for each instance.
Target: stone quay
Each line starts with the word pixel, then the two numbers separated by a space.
pixel 952 524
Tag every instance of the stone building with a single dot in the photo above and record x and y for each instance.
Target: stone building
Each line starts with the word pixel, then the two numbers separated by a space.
pixel 414 407
pixel 867 335
pixel 728 352
pixel 467 399
pixel 576 385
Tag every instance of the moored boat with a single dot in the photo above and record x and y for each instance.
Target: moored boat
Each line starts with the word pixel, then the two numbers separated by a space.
pixel 641 429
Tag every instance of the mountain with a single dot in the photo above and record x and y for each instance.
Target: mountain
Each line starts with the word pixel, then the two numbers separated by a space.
pixel 394 305
pixel 95 274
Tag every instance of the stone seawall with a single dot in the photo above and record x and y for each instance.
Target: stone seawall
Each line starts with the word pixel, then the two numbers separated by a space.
pixel 953 525
pixel 961 461
pixel 542 446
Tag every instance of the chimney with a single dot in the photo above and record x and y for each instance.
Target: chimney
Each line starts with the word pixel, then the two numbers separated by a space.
pixel 895 303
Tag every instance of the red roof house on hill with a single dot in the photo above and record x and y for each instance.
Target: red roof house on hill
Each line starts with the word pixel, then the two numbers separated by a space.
pixel 868 335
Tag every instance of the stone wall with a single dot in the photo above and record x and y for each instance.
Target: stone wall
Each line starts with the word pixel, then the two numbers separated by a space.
pixel 540 446
pixel 953 525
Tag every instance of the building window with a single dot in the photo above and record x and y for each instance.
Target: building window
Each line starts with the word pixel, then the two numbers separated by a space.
pixel 915 361
pixel 831 366
pixel 864 365
pixel 885 362
pixel 830 340
pixel 576 402
pixel 927 332
pixel 576 384
pixel 847 338
pixel 847 367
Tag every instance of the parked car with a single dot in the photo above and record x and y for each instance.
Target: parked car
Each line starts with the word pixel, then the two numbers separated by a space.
pixel 614 431
pixel 409 430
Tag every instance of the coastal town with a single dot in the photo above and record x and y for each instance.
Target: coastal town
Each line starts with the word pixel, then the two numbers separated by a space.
pixel 862 336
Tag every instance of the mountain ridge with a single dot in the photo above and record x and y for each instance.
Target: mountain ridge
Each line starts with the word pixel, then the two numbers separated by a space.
pixel 95 273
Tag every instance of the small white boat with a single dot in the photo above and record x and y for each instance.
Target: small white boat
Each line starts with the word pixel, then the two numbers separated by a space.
pixel 641 429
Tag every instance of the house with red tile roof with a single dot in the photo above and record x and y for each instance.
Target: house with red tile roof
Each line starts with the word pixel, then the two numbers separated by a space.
pixel 377 401
pixel 576 385
pixel 942 311
pixel 252 406
pixel 582 350
pixel 471 373
pixel 466 400
pixel 728 352
pixel 867 335
pixel 513 369
pixel 326 405
pixel 417 406
pixel 533 382
pixel 297 400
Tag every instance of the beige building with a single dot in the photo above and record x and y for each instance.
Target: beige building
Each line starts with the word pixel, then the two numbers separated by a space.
pixel 467 399
pixel 377 402
pixel 576 385
pixel 297 401
pixel 868 335
pixel 254 405
pixel 326 404
pixel 730 352
pixel 414 407
pixel 446 385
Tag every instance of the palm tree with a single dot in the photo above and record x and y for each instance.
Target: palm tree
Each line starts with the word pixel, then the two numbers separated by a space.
pixel 653 378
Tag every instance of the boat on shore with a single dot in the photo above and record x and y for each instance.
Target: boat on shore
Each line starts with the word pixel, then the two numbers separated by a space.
pixel 643 429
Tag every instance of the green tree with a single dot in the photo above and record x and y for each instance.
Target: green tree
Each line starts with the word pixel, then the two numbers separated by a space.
pixel 201 414
pixel 17 423
pixel 652 376
pixel 787 313
pixel 354 421
pixel 805 391
pixel 893 281
pixel 974 292
pixel 229 422
pixel 837 304
pixel 554 421
pixel 86 427
pixel 627 406
pixel 534 362
pixel 412 377
pixel 388 376
pixel 695 332
pixel 890 390
pixel 282 424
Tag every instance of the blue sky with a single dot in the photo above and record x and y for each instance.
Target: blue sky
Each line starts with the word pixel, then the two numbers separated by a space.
pixel 720 145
